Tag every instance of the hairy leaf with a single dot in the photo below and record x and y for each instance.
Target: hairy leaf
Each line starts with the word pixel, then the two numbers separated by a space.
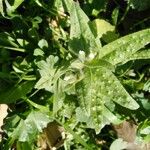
pixel 81 37
pixel 50 80
pixel 59 96
pixel 119 50
pixel 67 5
pixel 28 129
pixel 48 74
pixel 96 91
pixel 142 54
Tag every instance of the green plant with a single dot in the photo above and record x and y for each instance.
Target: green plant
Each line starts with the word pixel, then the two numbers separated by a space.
pixel 73 77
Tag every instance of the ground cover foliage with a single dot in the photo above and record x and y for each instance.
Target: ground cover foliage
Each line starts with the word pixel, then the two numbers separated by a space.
pixel 80 67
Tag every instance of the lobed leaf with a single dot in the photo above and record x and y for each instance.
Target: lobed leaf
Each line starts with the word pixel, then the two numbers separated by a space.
pixel 50 80
pixel 48 74
pixel 28 129
pixel 96 91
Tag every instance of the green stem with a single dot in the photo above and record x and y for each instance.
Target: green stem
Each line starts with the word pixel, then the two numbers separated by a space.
pixel 40 107
pixel 13 48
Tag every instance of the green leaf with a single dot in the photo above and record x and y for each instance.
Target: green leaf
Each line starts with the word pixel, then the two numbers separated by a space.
pixel 38 52
pixel 49 74
pixel 104 30
pixel 96 120
pixel 28 129
pixel 43 44
pixel 10 123
pixel 142 54
pixel 147 86
pixel 102 27
pixel 144 130
pixel 67 5
pixel 16 92
pixel 59 96
pixel 110 36
pixel 17 3
pixel 76 136
pixel 1 7
pixel 6 40
pixel 50 80
pixel 40 107
pixel 81 37
pixel 110 116
pixel 23 146
pixel 36 21
pixel 119 50
pixel 10 9
pixel 115 15
pixel 96 63
pixel 98 89
pixel 22 42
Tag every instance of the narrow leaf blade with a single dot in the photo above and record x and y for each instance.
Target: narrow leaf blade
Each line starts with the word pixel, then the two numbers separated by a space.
pixel 118 50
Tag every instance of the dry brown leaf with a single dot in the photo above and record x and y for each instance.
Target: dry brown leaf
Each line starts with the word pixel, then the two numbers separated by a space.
pixel 52 138
pixel 3 114
pixel 127 131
